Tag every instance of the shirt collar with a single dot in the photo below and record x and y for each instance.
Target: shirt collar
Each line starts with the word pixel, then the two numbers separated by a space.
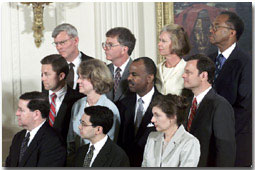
pixel 228 51
pixel 76 61
pixel 122 67
pixel 34 131
pixel 202 95
pixel 59 93
pixel 98 145
pixel 146 98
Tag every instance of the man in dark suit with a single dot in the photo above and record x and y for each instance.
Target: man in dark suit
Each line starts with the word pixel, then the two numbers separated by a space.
pixel 38 145
pixel 233 79
pixel 135 110
pixel 102 151
pixel 66 41
pixel 118 47
pixel 211 118
pixel 54 71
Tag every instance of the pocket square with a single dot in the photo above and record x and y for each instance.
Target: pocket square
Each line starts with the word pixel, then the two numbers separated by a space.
pixel 150 125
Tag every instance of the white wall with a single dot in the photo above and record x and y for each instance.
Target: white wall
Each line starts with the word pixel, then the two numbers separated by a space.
pixel 20 64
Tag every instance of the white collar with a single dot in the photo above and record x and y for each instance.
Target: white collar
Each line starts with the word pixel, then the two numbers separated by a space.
pixel 98 145
pixel 201 95
pixel 33 132
pixel 122 67
pixel 59 93
pixel 228 51
pixel 76 61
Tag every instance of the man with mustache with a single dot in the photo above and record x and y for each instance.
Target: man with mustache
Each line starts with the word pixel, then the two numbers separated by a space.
pixel 233 79
pixel 118 47
pixel 135 109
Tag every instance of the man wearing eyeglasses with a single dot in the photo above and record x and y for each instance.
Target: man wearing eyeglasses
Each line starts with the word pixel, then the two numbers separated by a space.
pixel 118 48
pixel 233 79
pixel 102 151
pixel 66 41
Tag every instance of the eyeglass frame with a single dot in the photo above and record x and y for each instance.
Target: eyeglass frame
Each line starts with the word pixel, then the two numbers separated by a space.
pixel 83 123
pixel 216 27
pixel 109 46
pixel 61 42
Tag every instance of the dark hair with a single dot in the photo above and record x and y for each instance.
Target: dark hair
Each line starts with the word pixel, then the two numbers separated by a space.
pixel 125 37
pixel 58 63
pixel 149 64
pixel 172 105
pixel 37 101
pixel 235 21
pixel 100 116
pixel 204 63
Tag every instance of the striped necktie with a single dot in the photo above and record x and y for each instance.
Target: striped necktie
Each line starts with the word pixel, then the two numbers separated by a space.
pixel 52 113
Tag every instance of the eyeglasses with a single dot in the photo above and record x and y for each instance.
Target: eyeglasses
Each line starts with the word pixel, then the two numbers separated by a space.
pixel 84 124
pixel 216 27
pixel 60 42
pixel 108 46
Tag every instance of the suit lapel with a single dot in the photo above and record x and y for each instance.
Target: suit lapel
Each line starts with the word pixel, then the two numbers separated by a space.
pixel 102 156
pixel 33 144
pixel 203 107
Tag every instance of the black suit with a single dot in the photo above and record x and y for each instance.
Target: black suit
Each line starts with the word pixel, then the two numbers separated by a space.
pixel 234 83
pixel 84 57
pixel 133 144
pixel 214 127
pixel 62 120
pixel 46 149
pixel 122 90
pixel 111 155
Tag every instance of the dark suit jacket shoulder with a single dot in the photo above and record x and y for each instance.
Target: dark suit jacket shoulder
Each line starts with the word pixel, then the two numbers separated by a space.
pixel 62 120
pixel 111 155
pixel 213 125
pixel 122 90
pixel 45 150
pixel 133 144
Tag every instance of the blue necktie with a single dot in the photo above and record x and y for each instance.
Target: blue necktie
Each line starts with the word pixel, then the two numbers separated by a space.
pixel 220 59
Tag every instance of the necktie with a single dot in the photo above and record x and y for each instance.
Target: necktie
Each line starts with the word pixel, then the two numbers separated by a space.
pixel 70 76
pixel 139 114
pixel 89 157
pixel 192 113
pixel 52 113
pixel 116 79
pixel 220 59
pixel 24 146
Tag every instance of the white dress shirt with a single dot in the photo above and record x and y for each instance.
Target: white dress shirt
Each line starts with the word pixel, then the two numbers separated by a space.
pixel 60 97
pixel 200 97
pixel 33 133
pixel 228 51
pixel 146 101
pixel 98 146
pixel 122 67
pixel 76 62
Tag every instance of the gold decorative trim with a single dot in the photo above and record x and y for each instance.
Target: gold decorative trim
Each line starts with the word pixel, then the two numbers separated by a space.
pixel 164 16
pixel 38 20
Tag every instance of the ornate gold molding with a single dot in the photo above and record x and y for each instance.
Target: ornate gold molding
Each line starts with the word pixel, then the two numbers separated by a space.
pixel 164 16
pixel 38 20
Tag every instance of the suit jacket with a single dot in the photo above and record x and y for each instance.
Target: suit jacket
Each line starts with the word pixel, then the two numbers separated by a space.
pixel 111 155
pixel 183 150
pixel 122 90
pixel 133 144
pixel 214 127
pixel 46 149
pixel 84 57
pixel 62 120
pixel 234 83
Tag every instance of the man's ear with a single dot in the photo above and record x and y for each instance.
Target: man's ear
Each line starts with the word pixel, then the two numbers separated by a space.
pixel 150 78
pixel 99 130
pixel 62 76
pixel 37 114
pixel 125 49
pixel 76 40
pixel 204 76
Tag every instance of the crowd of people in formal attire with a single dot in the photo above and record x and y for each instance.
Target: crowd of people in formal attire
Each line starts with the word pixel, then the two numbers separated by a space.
pixel 184 112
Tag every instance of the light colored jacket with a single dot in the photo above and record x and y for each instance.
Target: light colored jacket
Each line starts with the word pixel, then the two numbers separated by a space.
pixel 183 150
pixel 172 83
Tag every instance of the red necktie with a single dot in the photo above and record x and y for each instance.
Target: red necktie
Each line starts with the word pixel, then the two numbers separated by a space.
pixel 192 113
pixel 52 113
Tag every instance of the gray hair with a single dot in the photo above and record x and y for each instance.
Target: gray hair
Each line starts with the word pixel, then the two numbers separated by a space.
pixel 70 30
